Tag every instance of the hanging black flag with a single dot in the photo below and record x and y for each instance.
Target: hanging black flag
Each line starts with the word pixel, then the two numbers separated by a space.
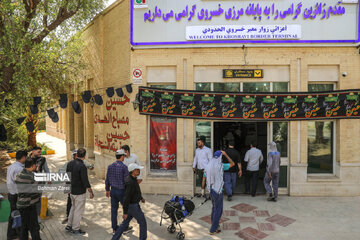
pixel 63 100
pixel 86 96
pixel 110 92
pixel 20 120
pixel 3 136
pixel 53 115
pixel 37 100
pixel 30 126
pixel 98 99
pixel 34 109
pixel 129 88
pixel 119 92
pixel 76 107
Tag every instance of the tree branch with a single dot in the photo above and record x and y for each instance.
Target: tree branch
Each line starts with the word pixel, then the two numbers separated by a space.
pixel 30 8
pixel 63 15
pixel 45 16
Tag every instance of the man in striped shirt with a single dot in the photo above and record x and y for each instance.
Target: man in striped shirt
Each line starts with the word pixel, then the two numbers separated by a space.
pixel 28 197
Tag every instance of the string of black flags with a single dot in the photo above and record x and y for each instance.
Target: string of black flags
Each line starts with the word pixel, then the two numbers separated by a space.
pixel 86 97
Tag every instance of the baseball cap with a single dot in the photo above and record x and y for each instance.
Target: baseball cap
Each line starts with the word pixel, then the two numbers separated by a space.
pixel 120 152
pixel 74 152
pixel 134 166
pixel 217 154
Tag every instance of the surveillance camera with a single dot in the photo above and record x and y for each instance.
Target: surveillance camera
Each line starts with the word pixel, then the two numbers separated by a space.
pixel 344 74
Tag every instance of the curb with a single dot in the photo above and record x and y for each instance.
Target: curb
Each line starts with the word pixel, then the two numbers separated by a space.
pixel 48 152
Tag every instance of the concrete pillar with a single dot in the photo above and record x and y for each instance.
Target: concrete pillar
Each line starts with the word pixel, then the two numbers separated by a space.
pixel 79 127
pixel 88 122
pixel 70 136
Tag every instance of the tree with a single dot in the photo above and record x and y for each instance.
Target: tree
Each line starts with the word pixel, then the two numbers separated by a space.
pixel 40 44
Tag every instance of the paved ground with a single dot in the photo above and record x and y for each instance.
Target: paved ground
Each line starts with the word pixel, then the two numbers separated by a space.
pixel 244 217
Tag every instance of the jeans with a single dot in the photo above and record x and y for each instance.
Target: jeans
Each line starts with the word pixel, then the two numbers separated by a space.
pixel 117 195
pixel 133 212
pixel 275 184
pixel 217 209
pixel 11 232
pixel 229 182
pixel 29 222
pixel 253 175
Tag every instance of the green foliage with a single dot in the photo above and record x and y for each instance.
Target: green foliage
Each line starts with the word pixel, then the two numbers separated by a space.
pixel 43 146
pixel 40 53
pixel 17 137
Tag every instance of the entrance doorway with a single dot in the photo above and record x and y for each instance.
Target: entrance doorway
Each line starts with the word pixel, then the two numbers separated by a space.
pixel 243 133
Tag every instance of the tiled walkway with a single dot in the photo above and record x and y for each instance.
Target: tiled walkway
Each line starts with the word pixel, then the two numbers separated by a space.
pixel 250 222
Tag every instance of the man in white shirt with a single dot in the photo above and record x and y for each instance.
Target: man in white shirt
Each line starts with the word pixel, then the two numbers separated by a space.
pixel 253 157
pixel 131 158
pixel 202 157
pixel 12 171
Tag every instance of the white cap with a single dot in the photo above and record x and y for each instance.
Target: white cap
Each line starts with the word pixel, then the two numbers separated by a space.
pixel 74 152
pixel 134 166
pixel 120 152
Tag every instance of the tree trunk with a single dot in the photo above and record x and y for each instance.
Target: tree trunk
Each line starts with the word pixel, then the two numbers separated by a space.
pixel 32 135
pixel 32 139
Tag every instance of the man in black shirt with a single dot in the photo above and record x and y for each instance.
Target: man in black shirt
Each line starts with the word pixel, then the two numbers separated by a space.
pixel 131 207
pixel 230 175
pixel 79 185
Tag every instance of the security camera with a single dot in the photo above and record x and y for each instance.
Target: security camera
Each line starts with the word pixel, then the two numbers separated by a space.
pixel 344 74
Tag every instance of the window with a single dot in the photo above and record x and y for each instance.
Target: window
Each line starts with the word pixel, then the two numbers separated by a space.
pixel 227 87
pixel 163 144
pixel 320 147
pixel 204 129
pixel 256 87
pixel 165 86
pixel 280 136
pixel 320 87
pixel 203 86
pixel 280 86
pixel 320 139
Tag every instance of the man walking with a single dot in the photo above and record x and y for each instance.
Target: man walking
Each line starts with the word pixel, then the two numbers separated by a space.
pixel 272 172
pixel 63 170
pixel 131 206
pixel 41 166
pixel 116 175
pixel 254 158
pixel 12 171
pixel 28 197
pixel 231 174
pixel 202 156
pixel 214 173
pixel 79 185
pixel 131 158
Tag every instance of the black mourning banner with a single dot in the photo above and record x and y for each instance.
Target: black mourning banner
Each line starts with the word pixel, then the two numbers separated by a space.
pixel 343 104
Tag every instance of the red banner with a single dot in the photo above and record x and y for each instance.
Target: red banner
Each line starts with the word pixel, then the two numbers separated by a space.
pixel 162 143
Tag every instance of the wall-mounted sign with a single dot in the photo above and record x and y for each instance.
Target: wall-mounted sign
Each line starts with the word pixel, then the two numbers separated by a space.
pixel 140 4
pixel 188 22
pixel 243 32
pixel 137 76
pixel 243 73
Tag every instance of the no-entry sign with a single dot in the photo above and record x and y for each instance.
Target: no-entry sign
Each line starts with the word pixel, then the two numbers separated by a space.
pixel 137 76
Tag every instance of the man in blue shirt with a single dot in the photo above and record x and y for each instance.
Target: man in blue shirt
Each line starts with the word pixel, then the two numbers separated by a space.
pixel 214 173
pixel 12 171
pixel 115 186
